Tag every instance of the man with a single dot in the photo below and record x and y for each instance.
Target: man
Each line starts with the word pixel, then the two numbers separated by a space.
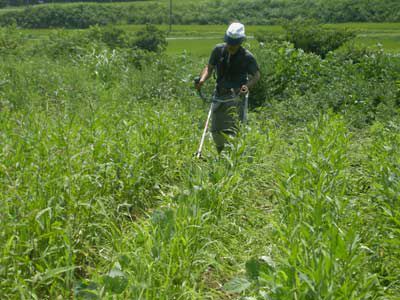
pixel 237 72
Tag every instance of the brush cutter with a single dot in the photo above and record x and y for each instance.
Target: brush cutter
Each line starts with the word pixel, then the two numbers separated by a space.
pixel 198 153
pixel 214 102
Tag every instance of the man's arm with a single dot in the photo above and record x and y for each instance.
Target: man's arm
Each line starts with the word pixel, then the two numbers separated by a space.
pixel 253 80
pixel 244 89
pixel 205 74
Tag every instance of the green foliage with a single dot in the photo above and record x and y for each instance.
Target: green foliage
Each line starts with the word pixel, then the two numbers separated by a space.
pixel 50 16
pixel 237 285
pixel 382 173
pixel 268 37
pixel 35 2
pixel 61 43
pixel 109 35
pixel 115 281
pixel 202 12
pixel 312 37
pixel 151 39
pixel 101 196
pixel 10 40
pixel 312 197
pixel 300 85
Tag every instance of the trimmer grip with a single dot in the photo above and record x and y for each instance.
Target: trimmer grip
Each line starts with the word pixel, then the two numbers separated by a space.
pixel 196 80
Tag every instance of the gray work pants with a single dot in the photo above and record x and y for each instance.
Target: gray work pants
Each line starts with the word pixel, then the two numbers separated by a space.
pixel 225 120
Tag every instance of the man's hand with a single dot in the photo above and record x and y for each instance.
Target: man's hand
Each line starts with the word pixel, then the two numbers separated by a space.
pixel 198 84
pixel 205 74
pixel 243 90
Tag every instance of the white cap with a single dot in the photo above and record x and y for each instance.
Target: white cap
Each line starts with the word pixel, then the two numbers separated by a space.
pixel 235 34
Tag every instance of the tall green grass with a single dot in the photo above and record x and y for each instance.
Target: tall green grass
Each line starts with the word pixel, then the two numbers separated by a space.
pixel 102 198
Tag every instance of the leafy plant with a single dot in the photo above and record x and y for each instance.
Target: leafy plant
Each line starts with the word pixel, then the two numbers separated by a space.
pixel 10 40
pixel 151 39
pixel 262 12
pixel 311 37
pixel 115 281
pixel 109 35
pixel 101 196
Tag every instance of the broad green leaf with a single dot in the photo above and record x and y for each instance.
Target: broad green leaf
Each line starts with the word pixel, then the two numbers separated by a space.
pixel 253 268
pixel 86 291
pixel 115 281
pixel 237 285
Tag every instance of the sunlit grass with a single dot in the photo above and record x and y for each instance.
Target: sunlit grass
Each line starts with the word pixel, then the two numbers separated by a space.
pixel 199 40
pixel 102 197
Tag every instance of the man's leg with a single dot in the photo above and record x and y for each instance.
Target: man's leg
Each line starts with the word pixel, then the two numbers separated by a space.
pixel 219 140
pixel 224 124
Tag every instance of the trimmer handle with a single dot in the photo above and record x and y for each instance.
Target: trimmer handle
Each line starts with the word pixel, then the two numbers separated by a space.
pixel 196 81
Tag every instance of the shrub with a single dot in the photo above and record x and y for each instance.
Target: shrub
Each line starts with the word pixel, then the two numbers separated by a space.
pixel 312 37
pixel 285 71
pixel 83 15
pixel 150 38
pixel 297 85
pixel 111 36
pixel 62 43
pixel 264 36
pixel 10 40
pixel 61 16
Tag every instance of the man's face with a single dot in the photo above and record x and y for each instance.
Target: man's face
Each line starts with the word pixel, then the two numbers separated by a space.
pixel 232 49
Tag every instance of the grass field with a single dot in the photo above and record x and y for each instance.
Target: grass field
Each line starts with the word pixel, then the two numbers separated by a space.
pixel 102 198
pixel 200 39
pixel 372 34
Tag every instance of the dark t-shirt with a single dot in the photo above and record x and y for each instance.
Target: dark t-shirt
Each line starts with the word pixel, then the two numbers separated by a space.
pixel 232 70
